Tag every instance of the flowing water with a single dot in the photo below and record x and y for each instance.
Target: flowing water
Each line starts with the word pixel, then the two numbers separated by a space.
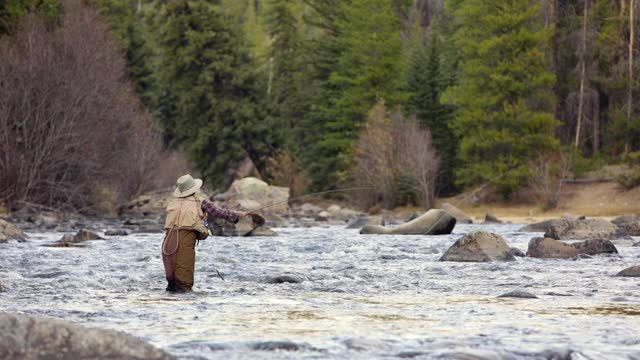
pixel 363 296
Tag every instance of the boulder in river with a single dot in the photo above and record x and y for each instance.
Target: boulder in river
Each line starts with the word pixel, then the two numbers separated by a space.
pixel 479 246
pixel 120 232
pixel 461 216
pixel 366 220
pixel 517 252
pixel 633 271
pixel 595 247
pixel 284 278
pixel 433 222
pixel 490 218
pixel 548 248
pixel 35 337
pixel 580 229
pixel 8 231
pixel 86 235
pixel 254 193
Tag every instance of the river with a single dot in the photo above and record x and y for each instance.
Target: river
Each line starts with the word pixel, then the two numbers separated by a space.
pixel 363 296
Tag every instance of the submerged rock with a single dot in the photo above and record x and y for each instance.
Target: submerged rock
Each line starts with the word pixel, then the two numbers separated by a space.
pixel 633 271
pixel 86 235
pixel 285 278
pixel 548 248
pixel 244 227
pixel 277 346
pixel 8 231
pixel 433 222
pixel 516 252
pixel 34 337
pixel 479 246
pixel 366 220
pixel 120 232
pixel 461 216
pixel 518 294
pixel 580 229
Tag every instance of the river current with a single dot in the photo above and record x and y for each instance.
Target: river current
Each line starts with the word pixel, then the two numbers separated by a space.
pixel 363 296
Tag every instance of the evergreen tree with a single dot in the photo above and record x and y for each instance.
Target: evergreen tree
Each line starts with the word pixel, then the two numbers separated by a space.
pixel 318 56
pixel 283 69
pixel 431 70
pixel 12 10
pixel 126 21
pixel 368 68
pixel 504 96
pixel 209 87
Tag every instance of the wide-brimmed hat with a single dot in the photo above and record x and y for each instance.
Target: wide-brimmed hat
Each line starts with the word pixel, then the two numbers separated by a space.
pixel 187 185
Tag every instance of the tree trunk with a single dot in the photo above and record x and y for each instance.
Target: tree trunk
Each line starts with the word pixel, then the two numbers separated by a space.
pixel 630 89
pixel 596 125
pixel 582 73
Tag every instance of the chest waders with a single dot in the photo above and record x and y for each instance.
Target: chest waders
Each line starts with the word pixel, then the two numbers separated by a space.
pixel 171 240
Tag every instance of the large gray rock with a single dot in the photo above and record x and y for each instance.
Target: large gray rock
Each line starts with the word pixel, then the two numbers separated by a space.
pixel 479 246
pixel 461 216
pixel 633 271
pixel 251 193
pixel 34 337
pixel 366 220
pixel 581 229
pixel 9 231
pixel 548 248
pixel 433 222
pixel 626 219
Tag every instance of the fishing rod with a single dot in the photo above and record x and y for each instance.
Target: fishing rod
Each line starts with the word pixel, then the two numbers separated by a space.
pixel 309 195
pixel 258 220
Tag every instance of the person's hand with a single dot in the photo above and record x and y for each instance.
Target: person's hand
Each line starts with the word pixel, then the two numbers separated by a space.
pixel 243 213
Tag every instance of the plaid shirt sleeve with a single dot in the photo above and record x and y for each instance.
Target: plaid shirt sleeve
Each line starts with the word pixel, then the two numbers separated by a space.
pixel 210 208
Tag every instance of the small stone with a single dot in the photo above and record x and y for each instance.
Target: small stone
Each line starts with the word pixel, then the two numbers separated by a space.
pixel 636 244
pixel 518 295
pixel 276 345
pixel 120 232
pixel 517 252
pixel 491 219
pixel 633 271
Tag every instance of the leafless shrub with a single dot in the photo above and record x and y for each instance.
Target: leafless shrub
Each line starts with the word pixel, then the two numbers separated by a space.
pixel 548 171
pixel 390 148
pixel 416 158
pixel 69 120
pixel 374 158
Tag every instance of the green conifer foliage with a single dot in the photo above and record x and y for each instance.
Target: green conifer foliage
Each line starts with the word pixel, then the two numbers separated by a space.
pixel 209 88
pixel 126 21
pixel 369 67
pixel 504 95
pixel 431 70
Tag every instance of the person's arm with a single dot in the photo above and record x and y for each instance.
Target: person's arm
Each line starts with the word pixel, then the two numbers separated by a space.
pixel 218 212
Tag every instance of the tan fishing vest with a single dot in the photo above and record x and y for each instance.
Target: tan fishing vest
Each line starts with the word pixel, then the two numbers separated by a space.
pixel 185 214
